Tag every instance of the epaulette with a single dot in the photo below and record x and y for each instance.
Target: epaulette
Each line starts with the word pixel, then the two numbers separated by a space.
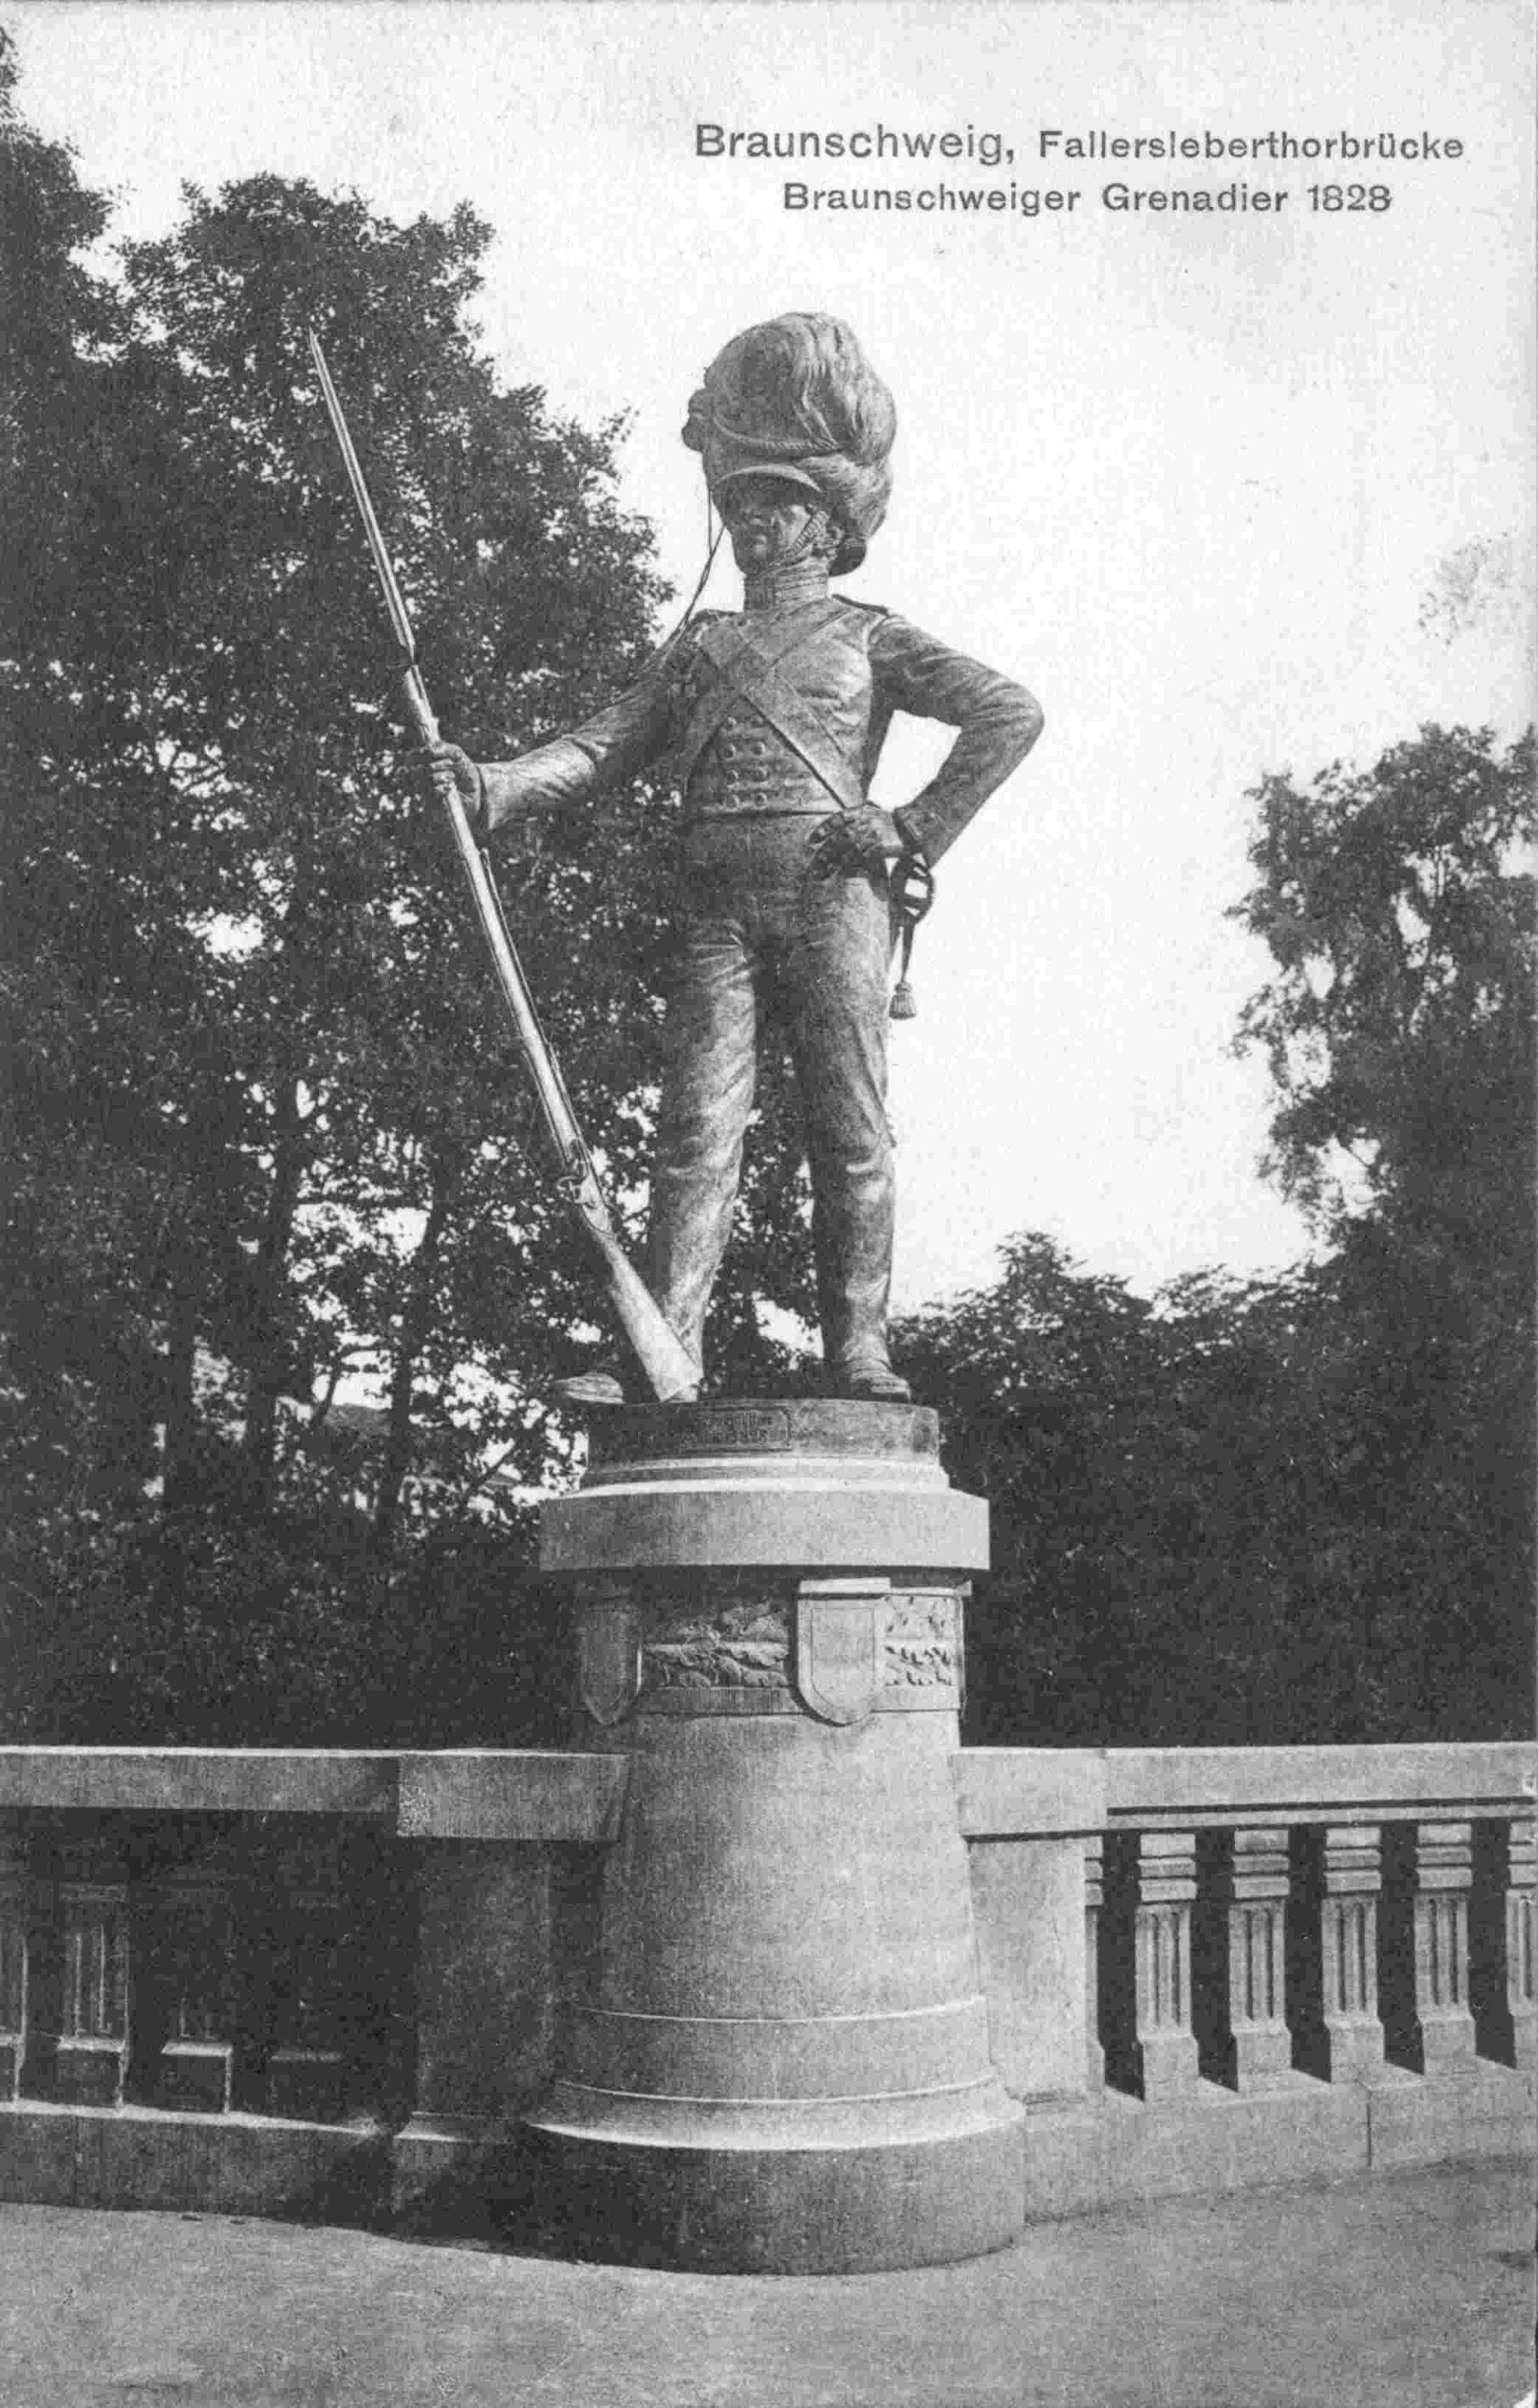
pixel 876 609
pixel 679 641
pixel 685 637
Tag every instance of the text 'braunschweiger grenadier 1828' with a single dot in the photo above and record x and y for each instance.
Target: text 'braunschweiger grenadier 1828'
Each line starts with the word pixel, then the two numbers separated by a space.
pixel 773 719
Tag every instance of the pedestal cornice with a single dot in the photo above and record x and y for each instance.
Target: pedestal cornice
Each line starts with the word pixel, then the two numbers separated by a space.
pixel 800 1485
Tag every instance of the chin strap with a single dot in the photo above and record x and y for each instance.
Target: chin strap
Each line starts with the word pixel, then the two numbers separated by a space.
pixel 913 892
pixel 713 545
pixel 819 538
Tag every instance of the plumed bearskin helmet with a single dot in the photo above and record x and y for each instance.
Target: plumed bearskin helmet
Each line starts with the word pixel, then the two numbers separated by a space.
pixel 798 397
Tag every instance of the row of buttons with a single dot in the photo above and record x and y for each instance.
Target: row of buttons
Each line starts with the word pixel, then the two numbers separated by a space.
pixel 745 761
pixel 717 795
pixel 736 742
pixel 748 768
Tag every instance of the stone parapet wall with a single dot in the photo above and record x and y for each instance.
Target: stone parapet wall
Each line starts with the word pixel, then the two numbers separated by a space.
pixel 257 1979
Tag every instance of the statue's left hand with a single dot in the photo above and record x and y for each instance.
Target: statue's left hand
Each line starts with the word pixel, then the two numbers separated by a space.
pixel 851 840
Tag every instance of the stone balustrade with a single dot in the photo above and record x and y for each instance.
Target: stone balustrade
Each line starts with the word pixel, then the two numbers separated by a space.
pixel 246 1980
pixel 1300 1962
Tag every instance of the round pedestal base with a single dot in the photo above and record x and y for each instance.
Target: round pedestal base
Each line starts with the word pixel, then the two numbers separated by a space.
pixel 783 2209
pixel 770 2042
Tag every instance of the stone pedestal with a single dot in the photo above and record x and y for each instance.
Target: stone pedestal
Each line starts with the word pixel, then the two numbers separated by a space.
pixel 773 2055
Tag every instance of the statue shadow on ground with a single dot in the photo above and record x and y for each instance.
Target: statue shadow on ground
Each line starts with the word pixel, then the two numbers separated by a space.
pixel 514 2208
pixel 352 2190
pixel 526 2211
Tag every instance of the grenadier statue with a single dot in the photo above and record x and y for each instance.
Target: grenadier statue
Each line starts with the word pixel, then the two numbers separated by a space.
pixel 773 720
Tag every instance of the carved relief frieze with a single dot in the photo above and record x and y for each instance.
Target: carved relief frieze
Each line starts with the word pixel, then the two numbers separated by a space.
pixel 923 1640
pixel 734 1643
pixel 725 1636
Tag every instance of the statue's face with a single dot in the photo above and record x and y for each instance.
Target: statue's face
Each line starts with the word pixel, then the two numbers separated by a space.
pixel 766 519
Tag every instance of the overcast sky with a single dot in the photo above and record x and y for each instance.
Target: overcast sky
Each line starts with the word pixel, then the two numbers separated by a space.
pixel 1190 476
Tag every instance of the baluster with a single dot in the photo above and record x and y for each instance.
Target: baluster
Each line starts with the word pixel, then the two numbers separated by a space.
pixel 90 2047
pixel 1348 1918
pixel 192 1969
pixel 1252 1886
pixel 1166 1891
pixel 1522 1939
pixel 1443 1878
pixel 1094 1899
pixel 13 1954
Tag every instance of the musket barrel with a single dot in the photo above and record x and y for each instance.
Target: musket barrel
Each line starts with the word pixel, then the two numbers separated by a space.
pixel 394 599
pixel 549 1085
pixel 658 1347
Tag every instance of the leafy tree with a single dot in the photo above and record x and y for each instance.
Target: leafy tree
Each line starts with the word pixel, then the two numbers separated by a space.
pixel 266 1115
pixel 82 1215
pixel 1399 908
pixel 1155 1472
pixel 1235 1515
pixel 265 1129
pixel 1397 1025
pixel 367 1062
pixel 55 320
pixel 1297 1508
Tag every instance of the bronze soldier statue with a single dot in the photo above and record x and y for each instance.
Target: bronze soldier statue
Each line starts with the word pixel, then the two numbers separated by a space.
pixel 773 720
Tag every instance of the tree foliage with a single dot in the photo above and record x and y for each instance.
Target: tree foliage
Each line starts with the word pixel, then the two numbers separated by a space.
pixel 266 1128
pixel 1397 907
pixel 1298 1507
pixel 264 1133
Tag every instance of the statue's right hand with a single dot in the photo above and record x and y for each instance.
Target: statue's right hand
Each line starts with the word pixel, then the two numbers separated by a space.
pixel 453 773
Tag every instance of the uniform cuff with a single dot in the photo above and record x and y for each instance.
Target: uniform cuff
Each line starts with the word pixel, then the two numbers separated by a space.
pixel 546 779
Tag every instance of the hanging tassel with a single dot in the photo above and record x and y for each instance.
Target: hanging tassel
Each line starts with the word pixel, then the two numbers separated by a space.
pixel 913 891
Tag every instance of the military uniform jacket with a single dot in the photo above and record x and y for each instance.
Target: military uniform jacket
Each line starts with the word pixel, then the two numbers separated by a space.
pixel 785 710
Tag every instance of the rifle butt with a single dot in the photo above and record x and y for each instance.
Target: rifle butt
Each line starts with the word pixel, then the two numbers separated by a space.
pixel 672 1375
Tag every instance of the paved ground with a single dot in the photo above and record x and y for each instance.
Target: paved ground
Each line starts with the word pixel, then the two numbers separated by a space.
pixel 1408 2292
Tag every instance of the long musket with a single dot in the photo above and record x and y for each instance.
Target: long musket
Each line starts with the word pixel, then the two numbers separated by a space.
pixel 661 1353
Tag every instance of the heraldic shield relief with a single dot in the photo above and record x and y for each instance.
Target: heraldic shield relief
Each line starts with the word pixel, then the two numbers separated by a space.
pixel 609 1640
pixel 839 1627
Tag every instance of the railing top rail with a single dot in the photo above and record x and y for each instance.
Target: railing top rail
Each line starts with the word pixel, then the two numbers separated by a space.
pixel 449 1793
pixel 206 1779
pixel 1005 1792
pixel 1480 1774
pixel 540 1794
